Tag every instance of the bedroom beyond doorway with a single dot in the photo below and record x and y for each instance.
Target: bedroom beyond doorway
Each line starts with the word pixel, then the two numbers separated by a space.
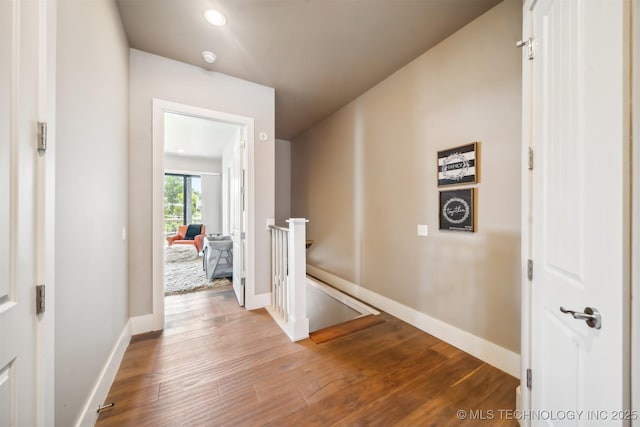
pixel 193 200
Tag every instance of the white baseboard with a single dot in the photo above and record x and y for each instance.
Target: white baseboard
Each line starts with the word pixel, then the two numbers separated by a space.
pixel 258 301
pixel 143 324
pixel 296 332
pixel 500 357
pixel 89 414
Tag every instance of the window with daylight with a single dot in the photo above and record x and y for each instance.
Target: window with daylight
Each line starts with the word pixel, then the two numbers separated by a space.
pixel 182 201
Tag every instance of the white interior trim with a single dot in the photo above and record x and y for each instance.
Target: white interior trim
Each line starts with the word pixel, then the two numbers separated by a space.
pixel 524 394
pixel 142 323
pixel 251 300
pixel 491 353
pixel 635 216
pixel 191 172
pixel 257 301
pixel 89 414
pixel 277 317
pixel 45 350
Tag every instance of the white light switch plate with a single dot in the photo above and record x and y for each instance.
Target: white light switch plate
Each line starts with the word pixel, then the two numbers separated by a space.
pixel 423 230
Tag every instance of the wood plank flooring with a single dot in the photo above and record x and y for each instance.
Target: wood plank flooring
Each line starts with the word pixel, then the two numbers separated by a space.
pixel 216 364
pixel 345 328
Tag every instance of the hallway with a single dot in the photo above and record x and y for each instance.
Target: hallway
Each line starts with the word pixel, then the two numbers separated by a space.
pixel 217 364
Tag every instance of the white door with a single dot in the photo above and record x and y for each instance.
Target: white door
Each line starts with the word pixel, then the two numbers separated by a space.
pixel 24 374
pixel 579 227
pixel 239 219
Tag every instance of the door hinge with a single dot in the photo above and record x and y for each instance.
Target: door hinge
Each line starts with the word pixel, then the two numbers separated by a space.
pixel 242 281
pixel 530 158
pixel 529 44
pixel 42 137
pixel 40 301
pixel 529 379
pixel 530 269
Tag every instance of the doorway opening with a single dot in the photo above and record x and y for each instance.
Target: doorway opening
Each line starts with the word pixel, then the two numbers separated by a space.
pixel 199 159
pixel 198 252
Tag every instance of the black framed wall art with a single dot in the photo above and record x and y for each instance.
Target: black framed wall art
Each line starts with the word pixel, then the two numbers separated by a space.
pixel 458 165
pixel 457 210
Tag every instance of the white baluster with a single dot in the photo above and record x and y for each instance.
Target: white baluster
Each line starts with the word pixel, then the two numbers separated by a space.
pixel 279 251
pixel 273 267
pixel 283 274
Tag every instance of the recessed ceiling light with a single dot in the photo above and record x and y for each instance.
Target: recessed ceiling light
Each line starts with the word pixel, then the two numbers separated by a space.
pixel 209 57
pixel 214 17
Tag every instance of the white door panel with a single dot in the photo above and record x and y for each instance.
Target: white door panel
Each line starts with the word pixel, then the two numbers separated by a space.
pixel 19 97
pixel 578 228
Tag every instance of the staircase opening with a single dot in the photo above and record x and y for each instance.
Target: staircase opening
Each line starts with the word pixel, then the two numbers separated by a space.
pixel 327 306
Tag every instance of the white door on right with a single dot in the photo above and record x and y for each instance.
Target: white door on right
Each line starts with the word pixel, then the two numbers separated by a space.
pixel 580 210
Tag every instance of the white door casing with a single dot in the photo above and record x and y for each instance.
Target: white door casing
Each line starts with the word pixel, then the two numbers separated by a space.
pixel 635 309
pixel 155 320
pixel 239 216
pixel 27 184
pixel 579 205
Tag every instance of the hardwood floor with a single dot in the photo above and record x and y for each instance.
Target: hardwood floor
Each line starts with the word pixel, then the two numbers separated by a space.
pixel 217 364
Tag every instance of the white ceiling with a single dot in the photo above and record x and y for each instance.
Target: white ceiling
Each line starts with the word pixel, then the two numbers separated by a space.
pixel 197 137
pixel 317 54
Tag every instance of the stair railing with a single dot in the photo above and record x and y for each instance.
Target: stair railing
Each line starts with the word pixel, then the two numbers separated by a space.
pixel 288 278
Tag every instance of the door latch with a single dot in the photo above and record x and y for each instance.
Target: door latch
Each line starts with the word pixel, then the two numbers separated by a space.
pixel 590 315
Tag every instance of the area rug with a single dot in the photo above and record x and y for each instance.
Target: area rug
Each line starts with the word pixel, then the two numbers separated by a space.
pixel 183 271
pixel 178 253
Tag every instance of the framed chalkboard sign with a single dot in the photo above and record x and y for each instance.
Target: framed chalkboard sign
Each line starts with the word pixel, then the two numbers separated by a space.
pixel 458 165
pixel 457 210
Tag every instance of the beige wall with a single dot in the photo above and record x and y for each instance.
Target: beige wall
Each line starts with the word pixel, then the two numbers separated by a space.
pixel 91 198
pixel 156 77
pixel 366 177
pixel 283 181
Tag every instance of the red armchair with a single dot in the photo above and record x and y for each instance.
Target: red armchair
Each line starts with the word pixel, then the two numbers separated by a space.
pixel 198 240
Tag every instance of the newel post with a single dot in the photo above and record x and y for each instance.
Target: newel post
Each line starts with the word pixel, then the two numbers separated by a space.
pixel 298 323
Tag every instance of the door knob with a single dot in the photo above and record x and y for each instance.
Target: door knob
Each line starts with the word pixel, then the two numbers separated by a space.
pixel 590 315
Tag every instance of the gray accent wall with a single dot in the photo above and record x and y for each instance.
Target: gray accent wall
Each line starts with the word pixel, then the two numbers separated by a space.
pixel 91 197
pixel 366 176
